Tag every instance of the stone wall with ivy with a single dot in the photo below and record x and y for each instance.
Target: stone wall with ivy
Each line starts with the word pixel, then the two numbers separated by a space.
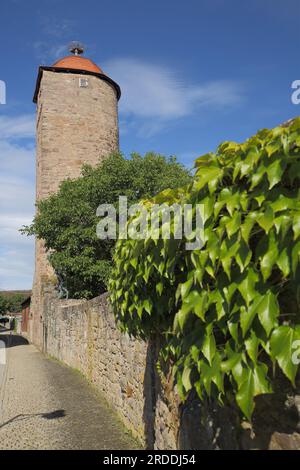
pixel 84 335
pixel 229 312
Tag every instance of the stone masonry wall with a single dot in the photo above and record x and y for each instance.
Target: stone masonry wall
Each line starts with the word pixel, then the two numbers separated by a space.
pixel 83 334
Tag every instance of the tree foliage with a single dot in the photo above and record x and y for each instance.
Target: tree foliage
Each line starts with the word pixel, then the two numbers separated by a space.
pixel 230 312
pixel 67 221
pixel 3 305
pixel 11 302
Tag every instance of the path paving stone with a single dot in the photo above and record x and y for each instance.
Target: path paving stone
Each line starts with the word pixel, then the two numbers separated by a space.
pixel 46 405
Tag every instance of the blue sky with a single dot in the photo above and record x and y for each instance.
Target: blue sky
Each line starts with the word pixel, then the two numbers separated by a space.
pixel 193 73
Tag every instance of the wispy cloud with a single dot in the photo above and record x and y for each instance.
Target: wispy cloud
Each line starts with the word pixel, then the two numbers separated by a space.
pixel 16 269
pixel 19 127
pixel 17 187
pixel 56 33
pixel 154 95
pixel 45 51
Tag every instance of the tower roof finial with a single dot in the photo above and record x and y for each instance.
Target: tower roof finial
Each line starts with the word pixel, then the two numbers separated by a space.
pixel 76 47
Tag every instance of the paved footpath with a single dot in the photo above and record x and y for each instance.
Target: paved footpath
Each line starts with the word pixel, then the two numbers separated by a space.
pixel 46 405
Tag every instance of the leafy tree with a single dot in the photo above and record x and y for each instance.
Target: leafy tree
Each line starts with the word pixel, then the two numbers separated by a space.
pixel 230 311
pixel 67 221
pixel 11 302
pixel 3 305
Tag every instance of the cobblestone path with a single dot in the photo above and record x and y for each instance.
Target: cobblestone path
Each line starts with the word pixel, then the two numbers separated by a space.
pixel 46 405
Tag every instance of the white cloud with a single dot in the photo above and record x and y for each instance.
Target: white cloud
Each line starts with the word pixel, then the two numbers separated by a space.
pixel 57 33
pixel 17 127
pixel 16 160
pixel 16 250
pixel 17 188
pixel 156 95
pixel 16 198
pixel 16 269
pixel 46 52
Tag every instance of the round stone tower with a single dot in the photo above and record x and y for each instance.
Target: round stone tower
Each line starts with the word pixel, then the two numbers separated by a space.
pixel 77 123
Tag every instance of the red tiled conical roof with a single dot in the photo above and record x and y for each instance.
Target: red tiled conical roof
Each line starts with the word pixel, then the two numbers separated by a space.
pixel 77 62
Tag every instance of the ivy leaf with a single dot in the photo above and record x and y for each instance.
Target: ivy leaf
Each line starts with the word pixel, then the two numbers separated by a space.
pixel 229 290
pixel 247 285
pixel 245 395
pixel 198 275
pixel 195 353
pixel 185 288
pixel 273 147
pixel 229 247
pixel 218 207
pixel 201 304
pixel 296 226
pixel 212 373
pixel 295 256
pixel 255 383
pixel 216 373
pixel 282 203
pixel 282 223
pixel 208 203
pixel 159 288
pixel 186 381
pixel 233 328
pixel 140 310
pixel 275 172
pixel 204 160
pixel 134 262
pixel 260 199
pixel 209 345
pixel 233 203
pixel 209 174
pixel 234 224
pixel 261 382
pixel 196 303
pixel 294 172
pixel 283 262
pixel 243 256
pixel 268 311
pixel 232 361
pixel 226 263
pixel 213 247
pixel 182 316
pixel 270 257
pixel 147 304
pixel 251 344
pixel 281 343
pixel 257 176
pixel 247 226
pixel 265 220
pixel 247 315
pixel 198 388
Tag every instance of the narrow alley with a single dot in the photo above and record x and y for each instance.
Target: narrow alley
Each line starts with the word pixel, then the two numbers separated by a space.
pixel 46 405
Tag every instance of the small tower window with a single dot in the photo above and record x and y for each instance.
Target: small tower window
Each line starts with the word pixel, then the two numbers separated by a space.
pixel 83 82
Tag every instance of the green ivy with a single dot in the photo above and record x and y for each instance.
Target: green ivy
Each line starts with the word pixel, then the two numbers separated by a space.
pixel 230 311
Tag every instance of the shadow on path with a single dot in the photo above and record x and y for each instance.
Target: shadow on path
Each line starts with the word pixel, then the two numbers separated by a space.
pixel 12 340
pixel 21 417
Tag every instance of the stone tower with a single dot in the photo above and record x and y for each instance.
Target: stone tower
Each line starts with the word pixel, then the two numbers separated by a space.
pixel 77 123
